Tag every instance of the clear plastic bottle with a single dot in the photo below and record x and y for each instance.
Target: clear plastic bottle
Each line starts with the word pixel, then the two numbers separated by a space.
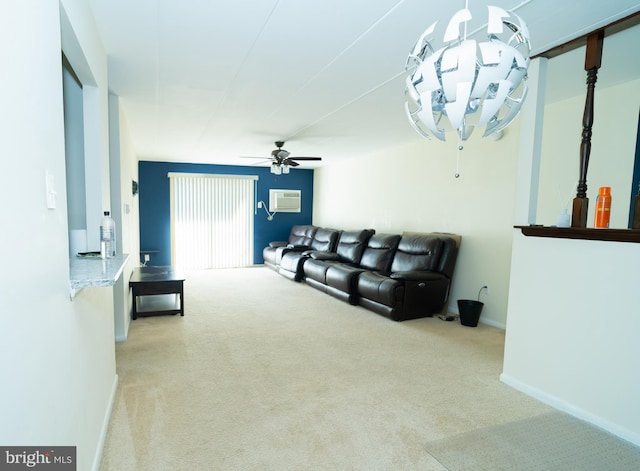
pixel 107 236
pixel 564 220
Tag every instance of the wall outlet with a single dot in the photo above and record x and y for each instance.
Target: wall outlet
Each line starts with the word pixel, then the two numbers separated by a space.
pixel 146 258
pixel 259 204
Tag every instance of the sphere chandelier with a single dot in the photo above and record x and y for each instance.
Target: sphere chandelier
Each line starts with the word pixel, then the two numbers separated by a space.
pixel 472 84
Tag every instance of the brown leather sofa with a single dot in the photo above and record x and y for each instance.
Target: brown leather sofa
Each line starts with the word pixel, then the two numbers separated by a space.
pixel 401 277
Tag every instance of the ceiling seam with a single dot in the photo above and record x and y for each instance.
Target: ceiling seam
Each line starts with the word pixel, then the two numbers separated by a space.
pixel 602 23
pixel 226 92
pixel 514 9
pixel 372 90
pixel 345 105
pixel 343 52
pixel 382 18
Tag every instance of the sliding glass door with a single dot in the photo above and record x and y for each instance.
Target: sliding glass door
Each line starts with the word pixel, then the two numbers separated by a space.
pixel 211 220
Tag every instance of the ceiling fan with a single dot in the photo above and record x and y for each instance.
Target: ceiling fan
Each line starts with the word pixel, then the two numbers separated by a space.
pixel 281 160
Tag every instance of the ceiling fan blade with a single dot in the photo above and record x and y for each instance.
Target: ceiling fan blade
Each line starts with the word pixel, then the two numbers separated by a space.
pixel 263 160
pixel 305 158
pixel 280 157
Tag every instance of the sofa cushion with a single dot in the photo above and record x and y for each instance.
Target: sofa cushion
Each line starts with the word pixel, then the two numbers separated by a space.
pixel 417 252
pixel 379 251
pixel 291 265
pixel 324 240
pixel 351 244
pixel 316 270
pixel 301 235
pixel 331 256
pixel 380 288
pixel 342 277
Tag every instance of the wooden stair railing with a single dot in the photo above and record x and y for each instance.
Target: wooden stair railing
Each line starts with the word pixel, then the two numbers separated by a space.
pixel 593 61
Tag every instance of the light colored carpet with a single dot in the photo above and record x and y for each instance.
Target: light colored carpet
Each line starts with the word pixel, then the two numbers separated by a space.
pixel 264 373
pixel 549 442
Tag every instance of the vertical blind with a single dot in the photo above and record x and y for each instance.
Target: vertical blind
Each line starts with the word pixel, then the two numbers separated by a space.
pixel 211 220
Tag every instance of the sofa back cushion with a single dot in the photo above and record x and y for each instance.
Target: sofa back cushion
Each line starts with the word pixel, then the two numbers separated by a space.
pixel 379 251
pixel 417 252
pixel 325 240
pixel 351 244
pixel 448 256
pixel 302 235
pixel 450 249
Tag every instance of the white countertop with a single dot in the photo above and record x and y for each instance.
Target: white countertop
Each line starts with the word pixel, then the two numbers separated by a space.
pixel 95 272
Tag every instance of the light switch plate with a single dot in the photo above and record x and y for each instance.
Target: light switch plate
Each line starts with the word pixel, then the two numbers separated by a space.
pixel 50 189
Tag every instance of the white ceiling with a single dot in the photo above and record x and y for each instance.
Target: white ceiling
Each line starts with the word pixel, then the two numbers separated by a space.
pixel 210 80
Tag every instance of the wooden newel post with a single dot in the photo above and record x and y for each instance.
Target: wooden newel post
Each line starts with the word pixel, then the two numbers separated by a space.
pixel 592 63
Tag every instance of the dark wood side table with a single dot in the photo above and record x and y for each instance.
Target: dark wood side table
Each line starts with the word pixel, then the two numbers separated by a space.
pixel 152 281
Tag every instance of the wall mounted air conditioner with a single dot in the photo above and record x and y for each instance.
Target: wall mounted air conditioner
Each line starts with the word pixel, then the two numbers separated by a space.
pixel 284 201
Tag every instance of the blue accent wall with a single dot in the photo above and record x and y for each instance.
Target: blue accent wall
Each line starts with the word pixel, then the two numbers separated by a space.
pixel 635 181
pixel 155 231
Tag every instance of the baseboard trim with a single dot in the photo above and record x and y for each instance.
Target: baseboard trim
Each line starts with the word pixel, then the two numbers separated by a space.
pixel 572 410
pixel 453 308
pixel 495 324
pixel 105 426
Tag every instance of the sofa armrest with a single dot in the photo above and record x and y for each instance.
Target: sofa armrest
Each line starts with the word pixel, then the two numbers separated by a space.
pixel 331 256
pixel 417 275
pixel 297 247
pixel 277 243
pixel 324 256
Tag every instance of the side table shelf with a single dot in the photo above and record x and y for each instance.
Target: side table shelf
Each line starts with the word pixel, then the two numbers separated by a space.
pixel 612 235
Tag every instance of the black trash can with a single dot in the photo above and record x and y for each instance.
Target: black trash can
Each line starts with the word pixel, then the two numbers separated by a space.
pixel 469 311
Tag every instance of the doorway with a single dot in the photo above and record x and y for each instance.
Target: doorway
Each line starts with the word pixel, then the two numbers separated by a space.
pixel 211 220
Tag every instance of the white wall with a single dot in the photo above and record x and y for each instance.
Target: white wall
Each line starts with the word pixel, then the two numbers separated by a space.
pixel 57 361
pixel 124 169
pixel 128 173
pixel 571 338
pixel 413 188
pixel 573 327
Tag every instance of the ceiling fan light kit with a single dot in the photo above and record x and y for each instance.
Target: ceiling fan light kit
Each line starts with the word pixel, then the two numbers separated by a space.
pixel 472 84
pixel 279 169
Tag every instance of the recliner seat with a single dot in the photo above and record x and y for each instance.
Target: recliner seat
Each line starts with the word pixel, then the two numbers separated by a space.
pixel 324 240
pixel 299 239
pixel 418 282
pixel 334 273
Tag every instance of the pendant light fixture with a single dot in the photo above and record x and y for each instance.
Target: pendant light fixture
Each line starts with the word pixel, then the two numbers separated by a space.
pixel 470 83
